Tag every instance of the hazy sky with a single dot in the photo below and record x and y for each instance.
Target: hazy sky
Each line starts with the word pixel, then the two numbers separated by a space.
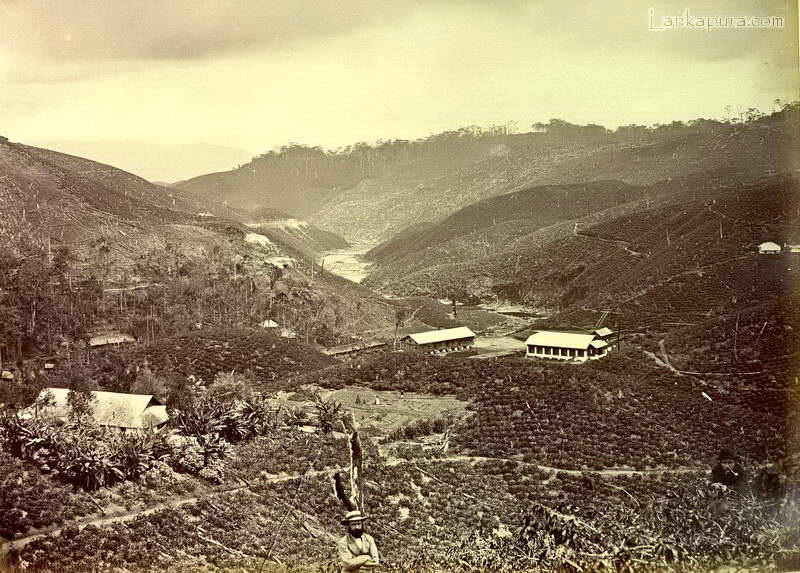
pixel 253 74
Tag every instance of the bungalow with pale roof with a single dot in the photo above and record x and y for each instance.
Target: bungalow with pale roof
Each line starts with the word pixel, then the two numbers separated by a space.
pixel 112 409
pixel 769 248
pixel 114 338
pixel 570 346
pixel 441 341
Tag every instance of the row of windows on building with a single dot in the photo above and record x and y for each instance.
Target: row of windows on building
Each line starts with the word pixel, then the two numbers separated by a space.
pixel 571 352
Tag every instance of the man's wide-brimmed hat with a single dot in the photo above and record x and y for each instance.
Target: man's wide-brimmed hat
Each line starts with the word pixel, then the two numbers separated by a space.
pixel 353 516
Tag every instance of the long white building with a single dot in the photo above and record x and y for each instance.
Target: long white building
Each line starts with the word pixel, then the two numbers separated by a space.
pixel 572 346
pixel 441 341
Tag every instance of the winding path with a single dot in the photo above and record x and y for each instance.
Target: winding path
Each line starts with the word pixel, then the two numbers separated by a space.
pixel 107 520
pixel 618 242
pixel 103 521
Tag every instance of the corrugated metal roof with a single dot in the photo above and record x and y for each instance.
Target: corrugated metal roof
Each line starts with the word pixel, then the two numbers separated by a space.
pixel 104 339
pixel 442 335
pixel 112 408
pixel 560 339
pixel 605 331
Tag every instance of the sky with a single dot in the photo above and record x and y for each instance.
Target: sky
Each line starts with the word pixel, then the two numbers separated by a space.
pixel 251 75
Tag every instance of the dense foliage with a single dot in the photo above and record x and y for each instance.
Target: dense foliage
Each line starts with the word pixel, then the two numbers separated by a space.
pixel 30 499
pixel 81 453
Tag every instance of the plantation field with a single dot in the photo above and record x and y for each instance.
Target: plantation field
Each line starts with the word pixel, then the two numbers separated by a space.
pixel 620 412
pixel 29 499
pixel 454 512
pixel 496 500
pixel 614 452
pixel 205 353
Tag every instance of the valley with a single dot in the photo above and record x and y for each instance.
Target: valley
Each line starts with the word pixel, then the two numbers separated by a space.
pixel 333 329
pixel 348 263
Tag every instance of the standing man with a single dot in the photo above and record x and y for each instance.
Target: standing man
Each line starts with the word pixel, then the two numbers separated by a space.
pixel 357 549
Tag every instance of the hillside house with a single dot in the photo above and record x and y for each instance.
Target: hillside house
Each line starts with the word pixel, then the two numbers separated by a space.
pixel 355 347
pixel 110 339
pixel 791 249
pixel 269 324
pixel 287 333
pixel 441 341
pixel 112 409
pixel 281 262
pixel 769 248
pixel 604 333
pixel 571 346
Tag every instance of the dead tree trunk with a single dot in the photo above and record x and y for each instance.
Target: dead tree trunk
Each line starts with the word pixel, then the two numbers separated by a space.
pixel 356 498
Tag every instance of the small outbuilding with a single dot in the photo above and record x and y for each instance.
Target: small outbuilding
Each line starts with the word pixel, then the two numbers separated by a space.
pixel 354 347
pixel 441 341
pixel 111 339
pixel 792 249
pixel 269 323
pixel 287 333
pixel 769 248
pixel 112 409
pixel 570 346
pixel 604 333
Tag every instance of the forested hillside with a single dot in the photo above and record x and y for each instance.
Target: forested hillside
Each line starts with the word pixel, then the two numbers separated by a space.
pixel 86 247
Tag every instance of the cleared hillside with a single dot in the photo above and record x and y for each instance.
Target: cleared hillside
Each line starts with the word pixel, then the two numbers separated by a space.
pixel 50 196
pixel 379 208
pixel 689 253
pixel 527 211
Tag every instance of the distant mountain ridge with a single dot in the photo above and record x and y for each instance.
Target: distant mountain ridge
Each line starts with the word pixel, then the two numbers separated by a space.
pixel 367 194
pixel 299 179
pixel 156 162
